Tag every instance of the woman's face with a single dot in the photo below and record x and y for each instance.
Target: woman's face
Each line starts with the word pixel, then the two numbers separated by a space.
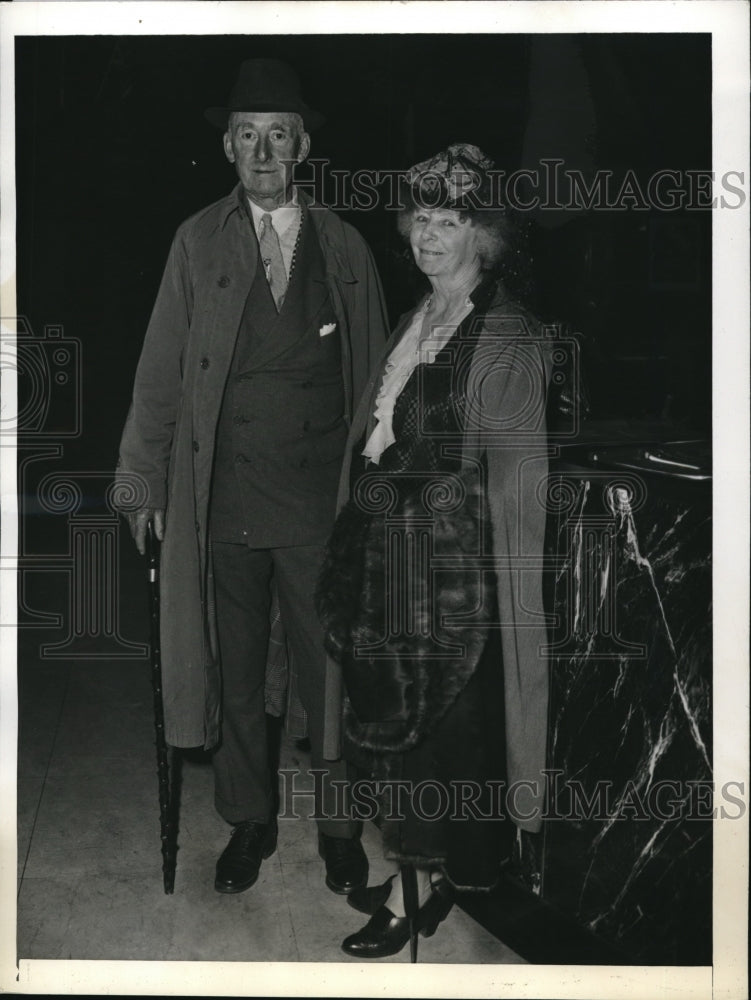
pixel 443 243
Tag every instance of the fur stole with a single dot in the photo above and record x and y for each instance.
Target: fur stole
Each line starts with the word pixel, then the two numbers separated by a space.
pixel 405 605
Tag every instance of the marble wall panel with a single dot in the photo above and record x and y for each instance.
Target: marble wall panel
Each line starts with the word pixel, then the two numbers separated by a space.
pixel 627 844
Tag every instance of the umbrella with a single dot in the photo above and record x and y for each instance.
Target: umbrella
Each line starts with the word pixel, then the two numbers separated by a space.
pixel 411 905
pixel 166 811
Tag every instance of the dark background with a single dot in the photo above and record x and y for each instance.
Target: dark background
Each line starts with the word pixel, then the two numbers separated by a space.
pixel 113 153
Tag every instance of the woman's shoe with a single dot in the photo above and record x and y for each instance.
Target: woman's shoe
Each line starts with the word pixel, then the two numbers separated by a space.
pixel 384 934
pixel 371 898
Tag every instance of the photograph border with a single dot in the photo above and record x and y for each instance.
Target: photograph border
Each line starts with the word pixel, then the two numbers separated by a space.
pixel 728 22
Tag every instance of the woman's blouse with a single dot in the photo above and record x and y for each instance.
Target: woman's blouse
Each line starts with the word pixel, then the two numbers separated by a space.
pixel 409 352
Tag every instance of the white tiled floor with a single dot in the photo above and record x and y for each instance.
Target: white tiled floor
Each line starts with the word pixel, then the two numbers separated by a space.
pixel 90 881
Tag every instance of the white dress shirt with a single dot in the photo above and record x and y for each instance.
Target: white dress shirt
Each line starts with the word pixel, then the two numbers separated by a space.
pixel 286 221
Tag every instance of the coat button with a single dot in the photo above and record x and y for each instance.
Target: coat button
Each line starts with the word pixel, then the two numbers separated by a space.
pixel 303 463
pixel 307 385
pixel 237 421
pixel 306 425
pixel 223 281
pixel 195 446
pixel 204 363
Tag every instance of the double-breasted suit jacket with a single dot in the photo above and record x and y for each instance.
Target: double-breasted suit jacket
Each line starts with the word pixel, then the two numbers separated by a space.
pixel 167 453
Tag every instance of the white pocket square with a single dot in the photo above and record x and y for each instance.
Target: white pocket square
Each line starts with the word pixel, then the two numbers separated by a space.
pixel 326 329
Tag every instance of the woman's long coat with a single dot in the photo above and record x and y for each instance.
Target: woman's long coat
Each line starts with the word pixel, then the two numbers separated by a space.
pixel 507 391
pixel 167 448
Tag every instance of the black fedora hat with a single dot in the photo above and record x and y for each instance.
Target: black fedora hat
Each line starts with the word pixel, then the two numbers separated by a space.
pixel 265 85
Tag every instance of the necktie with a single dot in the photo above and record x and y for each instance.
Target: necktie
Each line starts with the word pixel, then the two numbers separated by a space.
pixel 271 255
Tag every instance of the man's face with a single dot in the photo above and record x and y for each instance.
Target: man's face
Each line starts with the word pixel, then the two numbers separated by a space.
pixel 259 143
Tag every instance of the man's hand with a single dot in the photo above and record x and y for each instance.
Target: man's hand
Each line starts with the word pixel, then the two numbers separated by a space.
pixel 138 520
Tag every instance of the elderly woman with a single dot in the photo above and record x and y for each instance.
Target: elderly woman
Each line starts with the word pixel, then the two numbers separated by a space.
pixel 431 592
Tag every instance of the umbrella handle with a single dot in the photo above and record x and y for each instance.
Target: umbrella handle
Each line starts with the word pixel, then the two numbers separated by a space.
pixel 152 551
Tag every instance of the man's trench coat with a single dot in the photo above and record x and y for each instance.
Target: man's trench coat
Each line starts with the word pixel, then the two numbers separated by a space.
pixel 167 448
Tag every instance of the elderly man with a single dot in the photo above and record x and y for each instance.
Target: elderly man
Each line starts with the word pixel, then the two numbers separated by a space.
pixel 268 318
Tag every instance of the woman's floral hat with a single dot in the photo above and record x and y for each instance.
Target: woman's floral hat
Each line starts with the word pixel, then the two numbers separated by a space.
pixel 456 178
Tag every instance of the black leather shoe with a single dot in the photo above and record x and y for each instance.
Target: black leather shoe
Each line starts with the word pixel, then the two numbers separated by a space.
pixel 384 934
pixel 346 864
pixel 372 898
pixel 238 866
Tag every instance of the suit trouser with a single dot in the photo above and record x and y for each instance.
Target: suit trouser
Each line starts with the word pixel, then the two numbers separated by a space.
pixel 242 781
